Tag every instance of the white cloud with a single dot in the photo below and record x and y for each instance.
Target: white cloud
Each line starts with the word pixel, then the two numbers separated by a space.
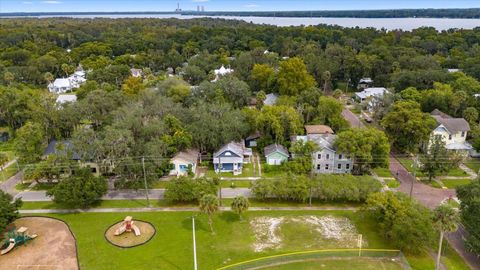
pixel 200 1
pixel 251 6
pixel 51 2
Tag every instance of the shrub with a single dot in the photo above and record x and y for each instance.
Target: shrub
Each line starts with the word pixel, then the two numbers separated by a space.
pixel 187 189
pixel 81 189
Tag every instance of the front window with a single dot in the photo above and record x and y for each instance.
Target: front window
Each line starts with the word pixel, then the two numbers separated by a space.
pixel 347 166
pixel 319 156
pixel 328 156
pixel 340 156
pixel 450 136
pixel 463 133
pixel 326 166
pixel 318 167
pixel 339 166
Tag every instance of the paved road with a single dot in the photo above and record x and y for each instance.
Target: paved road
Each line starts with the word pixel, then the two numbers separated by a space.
pixel 431 197
pixel 9 185
pixel 178 209
pixel 352 118
pixel 155 194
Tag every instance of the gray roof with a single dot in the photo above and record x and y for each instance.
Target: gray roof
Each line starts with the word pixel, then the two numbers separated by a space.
pixel 235 147
pixel 187 156
pixel 371 92
pixel 52 149
pixel 272 148
pixel 322 140
pixel 453 125
pixel 270 99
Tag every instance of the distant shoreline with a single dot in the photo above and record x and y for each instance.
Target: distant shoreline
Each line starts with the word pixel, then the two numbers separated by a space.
pixel 470 13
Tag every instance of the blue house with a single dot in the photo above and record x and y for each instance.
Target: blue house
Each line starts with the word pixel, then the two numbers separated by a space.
pixel 231 157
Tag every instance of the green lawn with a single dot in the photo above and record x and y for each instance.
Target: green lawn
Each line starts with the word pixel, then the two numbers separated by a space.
pixel 272 171
pixel 232 242
pixel 453 183
pixel 163 203
pixel 408 162
pixel 383 172
pixel 171 248
pixel 473 164
pixel 392 183
pixel 8 172
pixel 247 171
pixel 340 264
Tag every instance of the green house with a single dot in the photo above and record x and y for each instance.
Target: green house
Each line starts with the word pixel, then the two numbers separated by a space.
pixel 275 154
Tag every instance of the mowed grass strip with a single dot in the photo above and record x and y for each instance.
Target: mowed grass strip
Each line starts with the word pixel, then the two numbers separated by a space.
pixel 340 264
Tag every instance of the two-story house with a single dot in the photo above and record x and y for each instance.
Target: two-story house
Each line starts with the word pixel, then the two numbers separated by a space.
pixel 326 159
pixel 231 157
pixel 452 131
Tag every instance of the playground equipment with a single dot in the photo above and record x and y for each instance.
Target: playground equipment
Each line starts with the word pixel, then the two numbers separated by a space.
pixel 127 226
pixel 16 238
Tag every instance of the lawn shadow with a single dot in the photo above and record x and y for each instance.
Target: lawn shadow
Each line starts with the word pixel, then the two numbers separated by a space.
pixel 229 217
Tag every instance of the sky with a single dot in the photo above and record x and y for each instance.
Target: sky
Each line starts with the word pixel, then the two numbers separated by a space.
pixel 223 5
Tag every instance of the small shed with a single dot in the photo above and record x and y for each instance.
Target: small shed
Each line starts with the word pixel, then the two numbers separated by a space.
pixel 275 154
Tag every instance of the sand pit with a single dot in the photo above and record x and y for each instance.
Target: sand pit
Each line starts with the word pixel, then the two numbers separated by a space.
pixel 128 239
pixel 53 249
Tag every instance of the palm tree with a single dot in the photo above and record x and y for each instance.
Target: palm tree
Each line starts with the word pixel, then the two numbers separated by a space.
pixel 239 205
pixel 446 219
pixel 209 206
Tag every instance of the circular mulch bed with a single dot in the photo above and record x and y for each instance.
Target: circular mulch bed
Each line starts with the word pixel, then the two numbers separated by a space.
pixel 128 239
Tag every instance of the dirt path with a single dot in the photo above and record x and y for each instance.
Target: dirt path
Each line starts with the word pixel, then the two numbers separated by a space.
pixel 53 249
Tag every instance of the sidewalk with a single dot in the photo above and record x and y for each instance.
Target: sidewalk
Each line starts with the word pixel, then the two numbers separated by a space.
pixel 178 209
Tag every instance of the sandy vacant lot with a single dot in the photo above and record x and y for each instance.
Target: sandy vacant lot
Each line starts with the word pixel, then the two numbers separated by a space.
pixel 53 249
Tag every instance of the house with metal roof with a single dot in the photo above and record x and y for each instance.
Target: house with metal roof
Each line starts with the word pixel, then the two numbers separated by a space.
pixel 452 131
pixel 231 158
pixel 184 162
pixel 62 99
pixel 275 154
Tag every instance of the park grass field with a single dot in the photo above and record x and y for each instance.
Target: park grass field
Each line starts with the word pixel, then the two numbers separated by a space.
pixel 340 264
pixel 171 248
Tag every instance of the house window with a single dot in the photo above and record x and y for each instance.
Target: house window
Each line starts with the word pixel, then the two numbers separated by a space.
pixel 339 166
pixel 319 156
pixel 328 156
pixel 318 167
pixel 228 154
pixel 340 156
pixel 463 133
pixel 326 166
pixel 347 166
pixel 450 136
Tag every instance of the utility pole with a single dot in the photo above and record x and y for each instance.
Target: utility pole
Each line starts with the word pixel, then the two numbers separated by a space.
pixel 414 175
pixel 194 245
pixel 219 181
pixel 145 181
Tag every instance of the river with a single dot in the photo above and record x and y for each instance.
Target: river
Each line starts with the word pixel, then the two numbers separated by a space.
pixel 406 24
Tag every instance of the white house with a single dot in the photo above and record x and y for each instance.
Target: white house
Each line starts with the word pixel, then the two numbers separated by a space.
pixel 326 159
pixel 371 96
pixel 136 72
pixel 62 99
pixel 452 131
pixel 364 83
pixel 183 161
pixel 222 71
pixel 231 157
pixel 63 85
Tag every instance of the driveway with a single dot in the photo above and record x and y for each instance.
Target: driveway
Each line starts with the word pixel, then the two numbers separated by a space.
pixel 352 118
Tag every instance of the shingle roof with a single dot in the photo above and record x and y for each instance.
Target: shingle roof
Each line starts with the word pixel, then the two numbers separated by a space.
pixel 235 147
pixel 270 99
pixel 453 125
pixel 188 156
pixel 52 148
pixel 275 148
pixel 318 129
